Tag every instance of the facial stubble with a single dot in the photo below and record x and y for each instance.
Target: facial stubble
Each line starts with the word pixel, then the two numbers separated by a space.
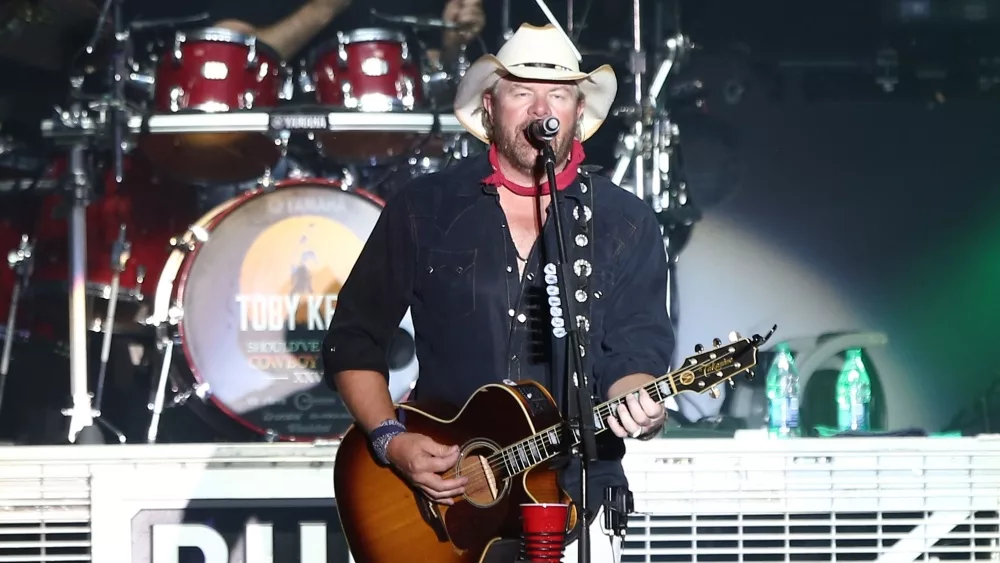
pixel 513 143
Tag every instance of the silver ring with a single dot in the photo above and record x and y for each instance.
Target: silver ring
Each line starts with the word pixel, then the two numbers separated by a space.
pixel 637 433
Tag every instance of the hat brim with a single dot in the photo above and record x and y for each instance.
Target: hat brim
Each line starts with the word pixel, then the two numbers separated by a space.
pixel 599 88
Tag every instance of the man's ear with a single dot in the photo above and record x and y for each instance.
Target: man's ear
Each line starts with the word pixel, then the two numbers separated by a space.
pixel 488 105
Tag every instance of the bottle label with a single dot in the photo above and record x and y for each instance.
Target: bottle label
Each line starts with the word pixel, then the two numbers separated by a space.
pixel 853 417
pixel 784 413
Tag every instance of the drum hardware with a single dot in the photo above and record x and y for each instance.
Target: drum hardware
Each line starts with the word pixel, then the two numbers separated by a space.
pixel 649 149
pixel 155 406
pixel 119 257
pixel 81 413
pixel 20 261
pixel 555 23
pixel 414 21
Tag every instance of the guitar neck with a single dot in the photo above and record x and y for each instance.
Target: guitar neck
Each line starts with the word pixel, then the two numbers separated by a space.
pixel 699 373
pixel 550 442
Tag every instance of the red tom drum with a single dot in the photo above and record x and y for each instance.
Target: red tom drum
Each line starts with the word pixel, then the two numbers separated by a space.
pixel 215 70
pixel 369 70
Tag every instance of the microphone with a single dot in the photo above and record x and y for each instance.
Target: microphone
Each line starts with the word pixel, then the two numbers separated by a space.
pixel 542 130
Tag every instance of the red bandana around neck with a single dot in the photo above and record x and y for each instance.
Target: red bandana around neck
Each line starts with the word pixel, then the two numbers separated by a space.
pixel 563 179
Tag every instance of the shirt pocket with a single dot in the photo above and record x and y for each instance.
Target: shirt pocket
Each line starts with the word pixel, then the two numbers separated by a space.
pixel 450 291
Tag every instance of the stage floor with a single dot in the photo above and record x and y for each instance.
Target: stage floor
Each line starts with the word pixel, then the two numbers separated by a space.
pixel 892 499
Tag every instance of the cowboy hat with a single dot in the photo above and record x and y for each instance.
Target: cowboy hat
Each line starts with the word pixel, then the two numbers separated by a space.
pixel 535 53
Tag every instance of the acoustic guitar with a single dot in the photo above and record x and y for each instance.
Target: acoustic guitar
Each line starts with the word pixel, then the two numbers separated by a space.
pixel 507 433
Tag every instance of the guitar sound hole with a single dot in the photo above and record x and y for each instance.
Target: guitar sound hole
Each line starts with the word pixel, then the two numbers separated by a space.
pixel 485 486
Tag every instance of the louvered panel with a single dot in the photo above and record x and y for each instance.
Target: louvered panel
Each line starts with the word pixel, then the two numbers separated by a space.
pixel 45 513
pixel 870 500
pixel 882 536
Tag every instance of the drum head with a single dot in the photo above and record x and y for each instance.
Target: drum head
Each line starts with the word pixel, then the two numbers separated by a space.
pixel 257 299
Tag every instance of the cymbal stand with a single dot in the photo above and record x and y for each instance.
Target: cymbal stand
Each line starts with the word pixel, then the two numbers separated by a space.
pixel 555 23
pixel 506 30
pixel 652 139
pixel 81 413
pixel 120 253
pixel 21 261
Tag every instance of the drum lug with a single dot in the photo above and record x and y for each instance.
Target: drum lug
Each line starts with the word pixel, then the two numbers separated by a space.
pixel 174 315
pixel 176 95
pixel 246 100
pixel 203 391
pixel 342 50
pixel 350 102
pixel 306 84
pixel 266 180
pixel 405 51
pixel 406 89
pixel 287 82
pixel 179 40
pixel 252 53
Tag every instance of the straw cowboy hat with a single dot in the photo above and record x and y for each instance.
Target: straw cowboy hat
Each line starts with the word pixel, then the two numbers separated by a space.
pixel 535 53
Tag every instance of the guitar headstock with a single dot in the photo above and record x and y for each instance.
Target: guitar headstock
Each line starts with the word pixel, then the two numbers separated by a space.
pixel 707 369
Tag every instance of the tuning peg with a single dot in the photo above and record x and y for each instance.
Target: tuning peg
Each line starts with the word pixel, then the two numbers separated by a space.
pixel 698 348
pixel 734 336
pixel 716 343
pixel 714 392
pixel 751 374
pixel 732 384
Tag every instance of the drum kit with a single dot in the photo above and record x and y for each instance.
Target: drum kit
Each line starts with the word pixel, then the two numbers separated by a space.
pixel 232 299
pixel 235 298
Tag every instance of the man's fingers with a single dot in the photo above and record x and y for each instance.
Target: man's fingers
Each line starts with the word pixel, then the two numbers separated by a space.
pixel 440 489
pixel 433 495
pixel 652 409
pixel 616 427
pixel 432 464
pixel 625 417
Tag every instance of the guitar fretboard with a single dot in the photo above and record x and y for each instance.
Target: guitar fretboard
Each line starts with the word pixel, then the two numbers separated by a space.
pixel 548 443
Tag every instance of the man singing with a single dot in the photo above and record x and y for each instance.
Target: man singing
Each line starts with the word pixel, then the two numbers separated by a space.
pixel 465 249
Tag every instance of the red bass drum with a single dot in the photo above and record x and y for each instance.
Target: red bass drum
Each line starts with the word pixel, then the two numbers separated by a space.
pixel 248 303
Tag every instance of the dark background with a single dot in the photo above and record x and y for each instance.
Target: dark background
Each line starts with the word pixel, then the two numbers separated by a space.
pixel 829 203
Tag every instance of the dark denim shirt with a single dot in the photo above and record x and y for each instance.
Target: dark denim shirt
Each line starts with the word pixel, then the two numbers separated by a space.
pixel 442 248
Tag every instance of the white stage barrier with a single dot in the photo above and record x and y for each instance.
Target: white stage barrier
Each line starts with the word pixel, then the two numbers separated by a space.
pixel 886 500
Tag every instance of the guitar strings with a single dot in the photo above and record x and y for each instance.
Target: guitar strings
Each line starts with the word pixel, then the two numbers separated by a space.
pixel 508 462
pixel 605 409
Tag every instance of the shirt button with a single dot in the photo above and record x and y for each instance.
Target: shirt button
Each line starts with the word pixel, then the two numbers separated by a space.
pixel 510 313
pixel 522 318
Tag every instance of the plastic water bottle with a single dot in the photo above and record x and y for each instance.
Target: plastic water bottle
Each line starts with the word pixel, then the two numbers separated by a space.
pixel 783 395
pixel 854 394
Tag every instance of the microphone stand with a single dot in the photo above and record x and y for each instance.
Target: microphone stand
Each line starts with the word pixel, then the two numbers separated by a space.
pixel 582 422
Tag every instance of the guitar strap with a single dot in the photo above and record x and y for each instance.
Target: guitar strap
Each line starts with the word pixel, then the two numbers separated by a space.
pixel 582 244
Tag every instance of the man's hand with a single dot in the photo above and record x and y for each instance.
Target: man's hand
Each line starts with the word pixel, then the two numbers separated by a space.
pixel 468 14
pixel 421 460
pixel 639 416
